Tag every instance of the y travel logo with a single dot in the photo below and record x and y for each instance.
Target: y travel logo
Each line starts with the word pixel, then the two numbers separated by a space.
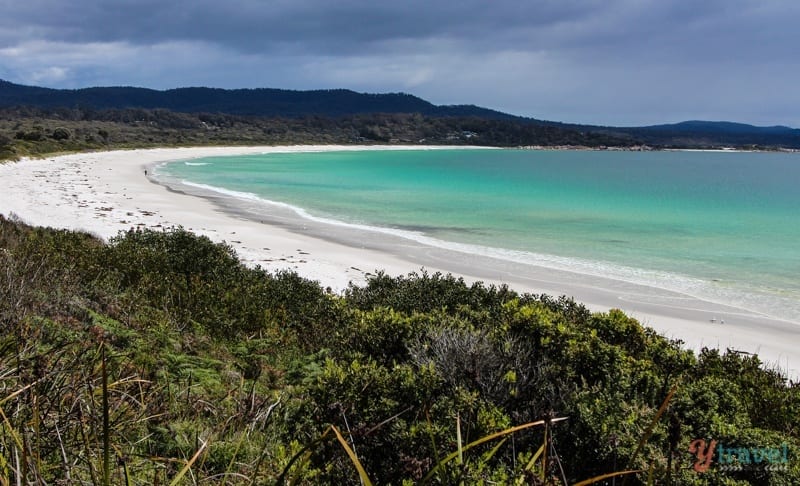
pixel 725 458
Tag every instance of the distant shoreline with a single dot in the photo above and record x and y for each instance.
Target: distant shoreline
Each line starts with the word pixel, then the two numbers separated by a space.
pixel 646 148
pixel 400 146
pixel 108 192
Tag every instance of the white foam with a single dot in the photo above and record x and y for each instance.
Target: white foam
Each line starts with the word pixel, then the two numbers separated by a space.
pixel 755 300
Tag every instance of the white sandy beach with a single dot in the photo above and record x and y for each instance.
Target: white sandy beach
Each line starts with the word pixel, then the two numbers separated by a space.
pixel 107 192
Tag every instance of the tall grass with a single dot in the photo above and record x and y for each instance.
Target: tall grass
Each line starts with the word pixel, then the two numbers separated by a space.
pixel 539 462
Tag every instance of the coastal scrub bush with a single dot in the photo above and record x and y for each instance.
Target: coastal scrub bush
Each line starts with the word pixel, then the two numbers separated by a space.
pixel 187 274
pixel 61 133
pixel 160 356
pixel 177 252
pixel 424 292
pixel 6 148
pixel 34 135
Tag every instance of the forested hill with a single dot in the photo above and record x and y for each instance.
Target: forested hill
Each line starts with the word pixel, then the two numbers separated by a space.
pixel 251 102
pixel 722 133
pixel 697 134
pixel 495 128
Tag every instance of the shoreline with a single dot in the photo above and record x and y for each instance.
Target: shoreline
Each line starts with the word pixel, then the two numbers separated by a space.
pixel 107 192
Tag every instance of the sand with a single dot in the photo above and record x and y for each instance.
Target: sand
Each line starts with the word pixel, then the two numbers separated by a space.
pixel 108 192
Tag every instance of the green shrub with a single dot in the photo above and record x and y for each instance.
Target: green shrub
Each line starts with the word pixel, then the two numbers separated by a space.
pixel 173 343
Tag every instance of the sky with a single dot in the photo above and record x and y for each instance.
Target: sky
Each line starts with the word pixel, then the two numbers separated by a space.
pixel 608 62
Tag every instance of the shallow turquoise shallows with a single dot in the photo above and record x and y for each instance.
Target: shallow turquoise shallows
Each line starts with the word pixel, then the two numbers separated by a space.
pixel 721 226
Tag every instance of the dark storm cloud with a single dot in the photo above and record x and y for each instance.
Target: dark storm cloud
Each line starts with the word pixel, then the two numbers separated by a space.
pixel 342 27
pixel 311 25
pixel 620 61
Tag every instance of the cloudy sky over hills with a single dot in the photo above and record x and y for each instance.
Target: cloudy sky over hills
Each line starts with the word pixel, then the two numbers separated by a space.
pixel 620 62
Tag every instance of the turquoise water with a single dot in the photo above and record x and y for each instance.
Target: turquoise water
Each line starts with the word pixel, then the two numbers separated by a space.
pixel 720 226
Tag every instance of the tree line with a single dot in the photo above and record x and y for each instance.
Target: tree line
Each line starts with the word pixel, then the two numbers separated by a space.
pixel 28 131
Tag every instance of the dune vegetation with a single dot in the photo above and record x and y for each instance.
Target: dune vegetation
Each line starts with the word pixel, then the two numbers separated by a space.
pixel 158 358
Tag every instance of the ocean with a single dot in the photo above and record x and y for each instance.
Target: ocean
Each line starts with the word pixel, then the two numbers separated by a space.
pixel 720 226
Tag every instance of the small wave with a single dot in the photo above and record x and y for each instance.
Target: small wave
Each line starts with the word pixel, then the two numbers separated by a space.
pixel 196 163
pixel 754 299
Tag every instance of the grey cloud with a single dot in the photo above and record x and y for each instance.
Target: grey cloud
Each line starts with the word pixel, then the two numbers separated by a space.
pixel 612 61
pixel 711 28
pixel 316 24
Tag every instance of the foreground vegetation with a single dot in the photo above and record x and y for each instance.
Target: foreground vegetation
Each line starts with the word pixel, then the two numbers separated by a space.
pixel 159 359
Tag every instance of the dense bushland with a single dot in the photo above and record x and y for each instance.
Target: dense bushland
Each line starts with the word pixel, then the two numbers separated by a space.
pixel 28 131
pixel 159 358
